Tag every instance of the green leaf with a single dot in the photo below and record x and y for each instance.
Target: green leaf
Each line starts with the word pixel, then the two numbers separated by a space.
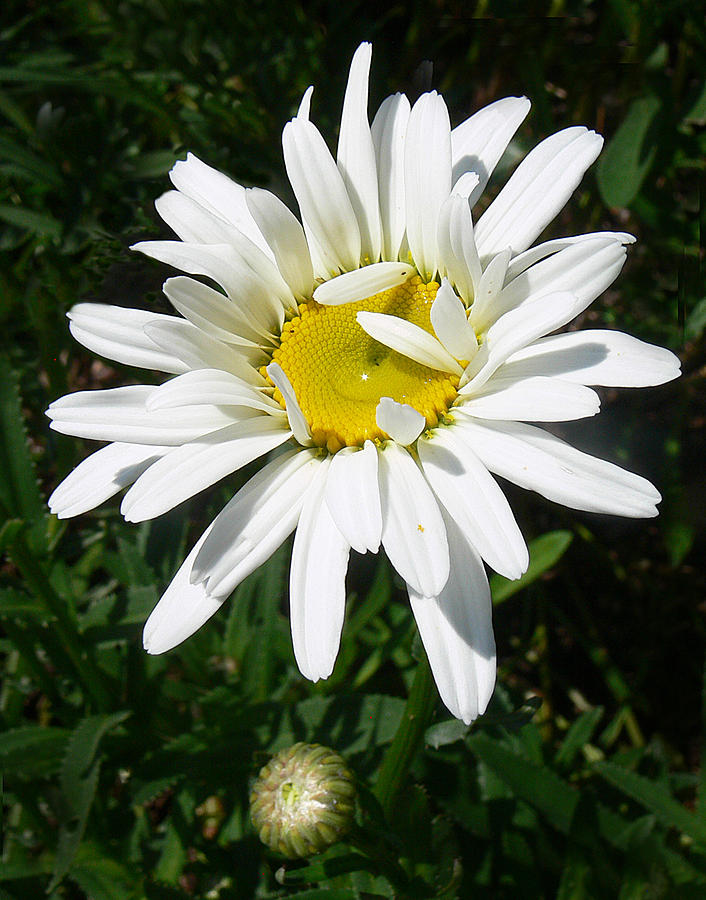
pixel 30 220
pixel 574 878
pixel 628 157
pixel 177 839
pixel 11 871
pixel 512 720
pixel 655 798
pixel 545 552
pixel 103 878
pixel 351 723
pixel 697 113
pixel 19 491
pixel 33 751
pixel 326 893
pixel 14 604
pixel 144 793
pixel 578 736
pixel 696 321
pixel 78 782
pixel 701 790
pixel 535 784
pixel 326 867
pixel 26 162
pixel 445 733
pixel 154 164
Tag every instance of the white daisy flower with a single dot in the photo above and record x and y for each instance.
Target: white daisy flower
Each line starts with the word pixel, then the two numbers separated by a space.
pixel 387 352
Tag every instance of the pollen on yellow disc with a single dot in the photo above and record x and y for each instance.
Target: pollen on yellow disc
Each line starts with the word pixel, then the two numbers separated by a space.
pixel 339 373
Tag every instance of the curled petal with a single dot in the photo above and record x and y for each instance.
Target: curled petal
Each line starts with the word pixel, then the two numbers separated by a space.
pixel 362 283
pixel 409 339
pixel 400 420
pixel 297 419
pixel 450 322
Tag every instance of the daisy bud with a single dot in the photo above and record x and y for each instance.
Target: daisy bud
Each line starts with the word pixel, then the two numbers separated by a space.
pixel 303 800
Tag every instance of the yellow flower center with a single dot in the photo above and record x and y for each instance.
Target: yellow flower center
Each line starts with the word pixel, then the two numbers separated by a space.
pixel 339 373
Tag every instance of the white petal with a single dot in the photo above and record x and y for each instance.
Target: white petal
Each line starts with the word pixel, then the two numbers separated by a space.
pixel 586 269
pixel 548 248
pixel 388 131
pixel 362 283
pixel 120 414
pixel 216 192
pixel 297 420
pixel 317 594
pixel 531 399
pixel 485 305
pixel 304 110
pixel 256 298
pixel 117 333
pixel 413 532
pixel 517 329
pixel 399 420
pixel 322 196
pixel 466 185
pixel 408 339
pixel 478 143
pixel 608 358
pixel 210 386
pixel 538 461
pixel 285 236
pixel 212 312
pixel 537 190
pixel 450 322
pixel 182 610
pixel 255 522
pixel 473 500
pixel 457 249
pixel 192 222
pixel 457 631
pixel 353 496
pixel 356 156
pixel 100 476
pixel 201 351
pixel 189 469
pixel 427 178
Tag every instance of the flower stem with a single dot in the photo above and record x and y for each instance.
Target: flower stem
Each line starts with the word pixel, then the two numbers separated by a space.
pixel 409 737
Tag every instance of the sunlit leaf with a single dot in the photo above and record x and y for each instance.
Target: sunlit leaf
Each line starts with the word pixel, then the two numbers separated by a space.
pixel 629 155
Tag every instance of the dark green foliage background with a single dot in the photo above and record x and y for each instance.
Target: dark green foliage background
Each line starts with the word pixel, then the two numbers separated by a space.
pixel 127 776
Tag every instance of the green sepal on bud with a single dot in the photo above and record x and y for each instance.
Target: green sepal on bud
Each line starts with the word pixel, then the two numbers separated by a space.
pixel 303 800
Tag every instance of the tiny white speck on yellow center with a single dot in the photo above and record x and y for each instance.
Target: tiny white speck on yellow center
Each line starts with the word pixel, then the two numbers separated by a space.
pixel 339 373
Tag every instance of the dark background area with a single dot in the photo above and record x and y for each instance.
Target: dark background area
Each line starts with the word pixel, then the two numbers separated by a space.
pixel 97 101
